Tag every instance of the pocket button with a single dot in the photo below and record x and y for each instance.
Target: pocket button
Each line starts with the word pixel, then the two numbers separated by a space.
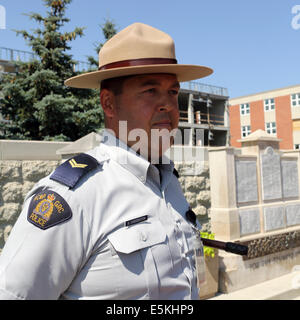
pixel 143 236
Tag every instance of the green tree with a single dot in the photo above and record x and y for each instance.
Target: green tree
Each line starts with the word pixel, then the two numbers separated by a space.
pixel 34 99
pixel 109 30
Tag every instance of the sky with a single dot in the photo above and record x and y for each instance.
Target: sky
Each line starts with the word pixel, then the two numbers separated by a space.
pixel 252 45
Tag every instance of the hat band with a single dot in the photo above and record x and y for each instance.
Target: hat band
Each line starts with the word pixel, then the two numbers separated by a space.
pixel 137 62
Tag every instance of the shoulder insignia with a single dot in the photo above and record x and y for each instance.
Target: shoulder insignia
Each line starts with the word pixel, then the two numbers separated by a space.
pixel 71 171
pixel 175 172
pixel 47 209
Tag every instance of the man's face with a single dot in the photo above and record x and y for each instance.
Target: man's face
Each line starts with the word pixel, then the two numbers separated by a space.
pixel 150 103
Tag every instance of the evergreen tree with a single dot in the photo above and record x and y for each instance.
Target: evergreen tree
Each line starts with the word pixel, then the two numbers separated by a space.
pixel 35 99
pixel 109 30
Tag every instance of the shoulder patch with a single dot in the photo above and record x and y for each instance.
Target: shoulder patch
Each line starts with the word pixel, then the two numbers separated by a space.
pixel 47 209
pixel 71 171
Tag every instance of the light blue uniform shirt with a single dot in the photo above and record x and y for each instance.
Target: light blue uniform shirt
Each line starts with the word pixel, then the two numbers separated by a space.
pixel 94 255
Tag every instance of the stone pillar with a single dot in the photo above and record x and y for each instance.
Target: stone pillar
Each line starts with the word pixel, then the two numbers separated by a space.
pixel 257 142
pixel 224 217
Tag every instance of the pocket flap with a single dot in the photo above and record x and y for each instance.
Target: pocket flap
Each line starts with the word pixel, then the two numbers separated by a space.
pixel 138 236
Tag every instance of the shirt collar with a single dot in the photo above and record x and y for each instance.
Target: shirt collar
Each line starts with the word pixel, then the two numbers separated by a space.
pixel 132 161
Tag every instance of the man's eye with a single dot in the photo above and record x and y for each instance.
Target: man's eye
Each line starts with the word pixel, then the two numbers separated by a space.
pixel 174 92
pixel 151 90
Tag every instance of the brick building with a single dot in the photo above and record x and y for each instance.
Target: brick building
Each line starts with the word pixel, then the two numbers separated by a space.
pixel 276 111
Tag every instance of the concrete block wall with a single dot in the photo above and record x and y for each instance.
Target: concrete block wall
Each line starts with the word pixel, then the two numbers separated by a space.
pixel 16 180
pixel 195 183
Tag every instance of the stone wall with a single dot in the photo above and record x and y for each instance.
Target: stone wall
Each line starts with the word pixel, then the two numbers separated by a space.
pixel 195 183
pixel 18 177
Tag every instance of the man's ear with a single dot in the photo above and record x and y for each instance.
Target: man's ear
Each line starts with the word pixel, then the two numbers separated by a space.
pixel 107 100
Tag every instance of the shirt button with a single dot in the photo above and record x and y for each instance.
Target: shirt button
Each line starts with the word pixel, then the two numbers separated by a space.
pixel 142 179
pixel 179 242
pixel 143 237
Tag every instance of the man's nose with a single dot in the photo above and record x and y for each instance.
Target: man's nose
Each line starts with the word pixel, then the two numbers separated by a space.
pixel 166 105
pixel 165 108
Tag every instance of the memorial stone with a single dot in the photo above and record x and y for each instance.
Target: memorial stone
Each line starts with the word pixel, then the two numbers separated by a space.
pixel 249 221
pixel 289 179
pixel 274 218
pixel 246 181
pixel 271 175
pixel 293 214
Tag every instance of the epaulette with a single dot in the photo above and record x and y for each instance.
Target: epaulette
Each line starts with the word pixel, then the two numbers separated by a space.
pixel 175 172
pixel 71 171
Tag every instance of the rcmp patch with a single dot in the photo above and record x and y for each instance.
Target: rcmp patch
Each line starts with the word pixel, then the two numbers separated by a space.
pixel 47 209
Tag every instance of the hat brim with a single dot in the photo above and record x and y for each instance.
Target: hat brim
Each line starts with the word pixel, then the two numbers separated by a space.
pixel 92 80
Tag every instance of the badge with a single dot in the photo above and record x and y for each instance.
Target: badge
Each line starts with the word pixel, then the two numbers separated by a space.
pixel 47 209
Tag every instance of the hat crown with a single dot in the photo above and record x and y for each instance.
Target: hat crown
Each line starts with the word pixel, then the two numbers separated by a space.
pixel 135 50
pixel 137 41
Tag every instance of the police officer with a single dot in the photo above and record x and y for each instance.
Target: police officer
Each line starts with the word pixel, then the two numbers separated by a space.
pixel 111 223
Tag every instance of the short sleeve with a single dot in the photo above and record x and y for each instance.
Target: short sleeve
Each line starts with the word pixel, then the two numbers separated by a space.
pixel 46 248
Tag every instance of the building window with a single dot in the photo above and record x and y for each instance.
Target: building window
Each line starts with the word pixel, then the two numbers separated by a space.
pixel 271 127
pixel 269 104
pixel 245 109
pixel 297 146
pixel 295 98
pixel 246 130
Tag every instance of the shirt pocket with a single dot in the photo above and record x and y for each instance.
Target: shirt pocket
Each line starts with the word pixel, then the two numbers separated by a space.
pixel 138 236
pixel 138 277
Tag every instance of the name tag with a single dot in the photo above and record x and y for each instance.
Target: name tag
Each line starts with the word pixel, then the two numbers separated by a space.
pixel 135 221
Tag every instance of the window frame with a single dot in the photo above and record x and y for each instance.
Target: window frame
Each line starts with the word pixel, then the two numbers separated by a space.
pixel 244 107
pixel 271 128
pixel 295 146
pixel 268 104
pixel 296 99
pixel 245 131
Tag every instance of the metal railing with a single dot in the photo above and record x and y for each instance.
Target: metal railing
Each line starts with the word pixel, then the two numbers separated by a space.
pixel 11 55
pixel 8 54
pixel 81 66
pixel 206 88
